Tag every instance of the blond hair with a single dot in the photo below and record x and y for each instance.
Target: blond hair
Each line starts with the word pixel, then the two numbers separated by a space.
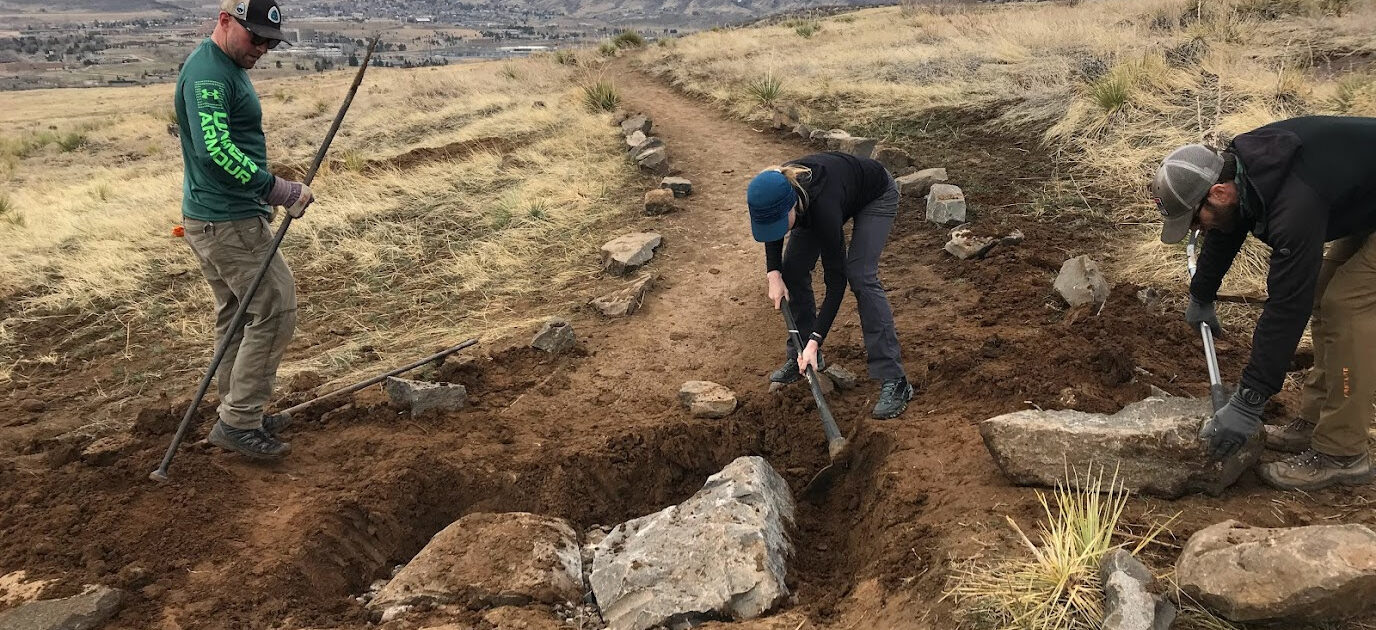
pixel 797 176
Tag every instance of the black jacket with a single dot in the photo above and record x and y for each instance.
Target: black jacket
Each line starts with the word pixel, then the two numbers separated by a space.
pixel 841 185
pixel 1303 182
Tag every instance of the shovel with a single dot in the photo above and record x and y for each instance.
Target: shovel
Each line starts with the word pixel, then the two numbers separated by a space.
pixel 1216 393
pixel 838 448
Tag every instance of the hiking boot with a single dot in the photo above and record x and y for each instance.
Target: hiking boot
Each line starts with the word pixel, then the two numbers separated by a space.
pixel 788 372
pixel 1312 470
pixel 894 395
pixel 1291 438
pixel 276 423
pixel 251 443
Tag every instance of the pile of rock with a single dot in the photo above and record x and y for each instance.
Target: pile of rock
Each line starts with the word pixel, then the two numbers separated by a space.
pixel 720 555
pixel 646 150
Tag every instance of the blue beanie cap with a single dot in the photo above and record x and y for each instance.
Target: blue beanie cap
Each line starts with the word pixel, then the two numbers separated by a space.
pixel 769 197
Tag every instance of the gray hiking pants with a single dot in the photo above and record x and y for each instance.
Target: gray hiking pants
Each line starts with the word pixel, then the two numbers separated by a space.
pixel 869 234
pixel 230 253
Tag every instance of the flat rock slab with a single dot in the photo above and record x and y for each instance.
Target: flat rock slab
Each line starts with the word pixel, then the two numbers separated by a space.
pixel 555 336
pixel 859 147
pixel 625 301
pixel 654 160
pixel 964 244
pixel 706 399
pixel 634 140
pixel 1080 283
pixel 844 379
pixel 1154 445
pixel 637 122
pixel 1309 574
pixel 652 142
pixel 423 396
pixel 86 611
pixel 681 187
pixel 624 253
pixel 945 204
pixel 722 554
pixel 893 158
pixel 484 560
pixel 920 183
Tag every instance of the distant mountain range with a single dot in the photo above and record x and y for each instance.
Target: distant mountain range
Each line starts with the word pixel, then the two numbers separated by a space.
pixel 610 10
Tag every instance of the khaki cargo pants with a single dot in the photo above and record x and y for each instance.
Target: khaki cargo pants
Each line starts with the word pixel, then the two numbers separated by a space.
pixel 1340 391
pixel 230 253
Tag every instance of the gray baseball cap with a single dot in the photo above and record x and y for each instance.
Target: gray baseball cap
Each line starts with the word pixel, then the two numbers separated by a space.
pixel 1180 185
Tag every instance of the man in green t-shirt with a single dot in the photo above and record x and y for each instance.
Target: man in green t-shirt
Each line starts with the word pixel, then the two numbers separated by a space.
pixel 226 198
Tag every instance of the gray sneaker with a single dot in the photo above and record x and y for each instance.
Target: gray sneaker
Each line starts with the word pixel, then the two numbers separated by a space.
pixel 1290 438
pixel 251 443
pixel 894 395
pixel 1312 470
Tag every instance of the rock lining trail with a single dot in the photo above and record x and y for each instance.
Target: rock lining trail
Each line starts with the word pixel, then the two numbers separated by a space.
pixel 597 436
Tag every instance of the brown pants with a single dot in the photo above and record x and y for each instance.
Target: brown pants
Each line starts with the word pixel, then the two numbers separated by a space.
pixel 230 253
pixel 1340 391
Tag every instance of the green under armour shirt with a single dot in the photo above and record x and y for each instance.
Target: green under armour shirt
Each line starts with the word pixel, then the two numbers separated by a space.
pixel 224 154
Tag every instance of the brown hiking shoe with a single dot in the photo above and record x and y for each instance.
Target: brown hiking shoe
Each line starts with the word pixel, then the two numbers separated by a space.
pixel 1312 470
pixel 1290 438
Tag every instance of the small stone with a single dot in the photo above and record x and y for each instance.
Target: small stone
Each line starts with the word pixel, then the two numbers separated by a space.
pixel 1013 238
pixel 781 120
pixel 555 336
pixel 654 160
pixel 625 301
pixel 638 122
pixel 652 142
pixel 706 399
pixel 802 131
pixel 1081 283
pixel 421 397
pixel 893 158
pixel 844 379
pixel 681 187
pixel 945 204
pixel 33 405
pixel 859 147
pixel 965 245
pixel 1149 297
pixel 659 201
pixel 634 140
pixel 920 183
pixel 624 253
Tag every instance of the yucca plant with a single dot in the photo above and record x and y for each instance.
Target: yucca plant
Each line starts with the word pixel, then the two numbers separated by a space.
pixel 1055 584
pixel 601 96
pixel 628 39
pixel 607 48
pixel 807 30
pixel 765 89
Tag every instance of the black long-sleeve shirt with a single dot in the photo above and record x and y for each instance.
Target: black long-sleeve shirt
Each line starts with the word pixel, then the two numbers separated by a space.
pixel 839 186
pixel 1302 182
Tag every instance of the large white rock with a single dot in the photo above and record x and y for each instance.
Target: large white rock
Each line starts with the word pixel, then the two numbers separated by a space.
pixel 1299 574
pixel 1081 283
pixel 484 560
pixel 1154 445
pixel 624 253
pixel 86 611
pixel 945 204
pixel 722 554
pixel 706 399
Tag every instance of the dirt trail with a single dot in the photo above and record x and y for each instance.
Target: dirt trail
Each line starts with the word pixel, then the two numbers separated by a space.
pixel 597 436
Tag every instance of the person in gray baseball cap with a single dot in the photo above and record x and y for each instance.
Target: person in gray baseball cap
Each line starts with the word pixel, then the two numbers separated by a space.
pixel 1296 185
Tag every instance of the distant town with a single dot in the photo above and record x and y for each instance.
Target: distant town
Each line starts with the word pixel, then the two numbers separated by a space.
pixel 53 49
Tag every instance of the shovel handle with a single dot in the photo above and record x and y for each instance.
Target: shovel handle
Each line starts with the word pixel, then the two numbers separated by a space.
pixel 1217 396
pixel 834 440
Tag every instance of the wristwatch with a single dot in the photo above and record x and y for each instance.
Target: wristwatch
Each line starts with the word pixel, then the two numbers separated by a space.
pixel 1250 396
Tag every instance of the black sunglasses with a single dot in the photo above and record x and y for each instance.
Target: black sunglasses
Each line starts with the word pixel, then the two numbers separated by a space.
pixel 256 39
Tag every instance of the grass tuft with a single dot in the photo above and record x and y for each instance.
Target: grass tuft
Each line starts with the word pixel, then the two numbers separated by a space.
pixel 601 96
pixel 807 30
pixel 628 39
pixel 608 48
pixel 565 58
pixel 72 141
pixel 1055 584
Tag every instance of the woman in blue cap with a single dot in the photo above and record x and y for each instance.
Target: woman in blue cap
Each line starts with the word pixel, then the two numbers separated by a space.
pixel 812 198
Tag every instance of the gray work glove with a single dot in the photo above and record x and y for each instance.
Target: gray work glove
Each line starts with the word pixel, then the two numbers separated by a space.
pixel 293 196
pixel 1202 313
pixel 1234 424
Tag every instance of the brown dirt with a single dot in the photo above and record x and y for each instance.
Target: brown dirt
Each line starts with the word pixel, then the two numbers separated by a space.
pixel 597 436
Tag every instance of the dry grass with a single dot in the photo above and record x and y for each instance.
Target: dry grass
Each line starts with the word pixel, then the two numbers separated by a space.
pixel 397 259
pixel 1110 86
pixel 1055 584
